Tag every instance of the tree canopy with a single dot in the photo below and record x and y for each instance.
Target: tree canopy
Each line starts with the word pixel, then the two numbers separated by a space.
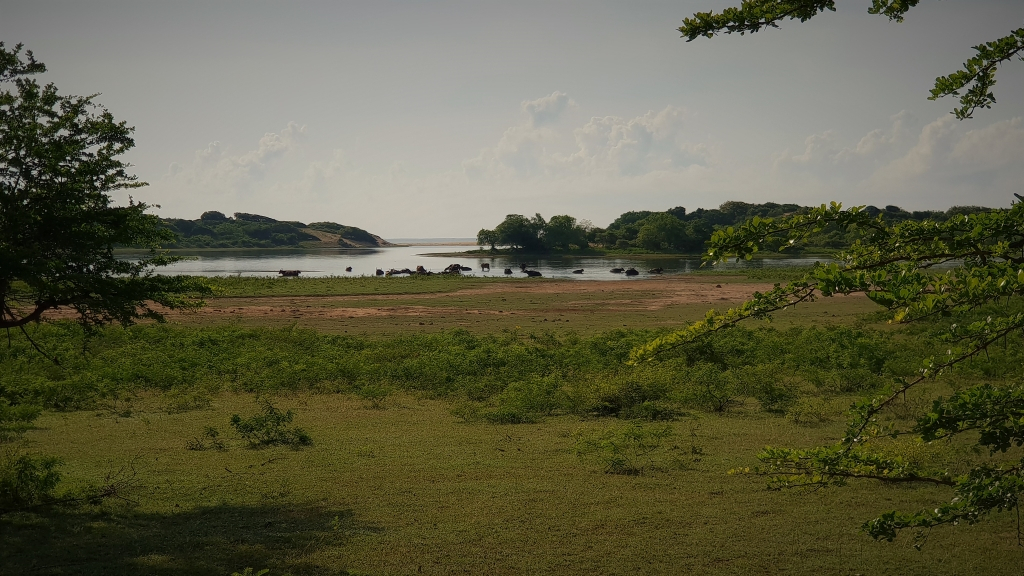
pixel 972 84
pixel 60 158
pixel 968 268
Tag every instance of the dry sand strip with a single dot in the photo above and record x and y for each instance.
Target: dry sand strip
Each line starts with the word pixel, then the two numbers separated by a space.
pixel 530 299
pixel 607 296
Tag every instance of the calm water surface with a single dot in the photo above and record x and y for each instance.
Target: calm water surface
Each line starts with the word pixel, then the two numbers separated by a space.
pixel 332 262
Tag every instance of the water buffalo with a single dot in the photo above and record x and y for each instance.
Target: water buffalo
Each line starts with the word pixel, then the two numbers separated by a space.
pixel 655 270
pixel 379 272
pixel 580 271
pixel 289 272
pixel 532 273
pixel 348 269
pixel 508 270
pixel 485 267
pixel 617 270
pixel 632 272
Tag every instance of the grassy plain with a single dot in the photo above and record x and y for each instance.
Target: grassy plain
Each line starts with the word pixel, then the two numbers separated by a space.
pixel 396 483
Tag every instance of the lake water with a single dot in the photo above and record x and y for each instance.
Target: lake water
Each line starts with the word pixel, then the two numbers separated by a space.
pixel 332 262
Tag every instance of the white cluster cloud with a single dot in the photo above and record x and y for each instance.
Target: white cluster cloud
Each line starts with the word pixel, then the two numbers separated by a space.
pixel 653 142
pixel 598 168
pixel 942 163
pixel 608 146
pixel 215 169
pixel 547 110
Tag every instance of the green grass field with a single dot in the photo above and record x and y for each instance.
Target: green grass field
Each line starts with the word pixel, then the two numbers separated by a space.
pixel 415 468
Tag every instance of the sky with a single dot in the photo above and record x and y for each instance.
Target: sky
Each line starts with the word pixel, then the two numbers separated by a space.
pixel 438 118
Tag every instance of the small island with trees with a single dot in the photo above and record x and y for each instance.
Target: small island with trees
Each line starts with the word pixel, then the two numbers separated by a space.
pixel 216 230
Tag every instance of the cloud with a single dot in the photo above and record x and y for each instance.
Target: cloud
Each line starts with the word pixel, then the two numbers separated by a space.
pixel 826 157
pixel 216 168
pixel 608 146
pixel 547 110
pixel 993 147
pixel 649 143
pixel 939 164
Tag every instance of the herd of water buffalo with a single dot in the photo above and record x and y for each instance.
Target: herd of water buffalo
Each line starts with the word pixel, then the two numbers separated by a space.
pixel 485 267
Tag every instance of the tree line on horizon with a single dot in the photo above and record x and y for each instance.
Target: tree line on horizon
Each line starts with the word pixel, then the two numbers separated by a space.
pixel 674 230
pixel 214 229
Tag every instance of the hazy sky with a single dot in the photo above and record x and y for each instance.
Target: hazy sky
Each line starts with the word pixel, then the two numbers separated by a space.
pixel 439 118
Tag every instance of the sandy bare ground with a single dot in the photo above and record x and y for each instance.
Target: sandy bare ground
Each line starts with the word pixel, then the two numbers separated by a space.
pixel 578 296
pixel 586 304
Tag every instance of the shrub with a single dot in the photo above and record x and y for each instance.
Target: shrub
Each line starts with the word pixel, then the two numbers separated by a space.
pixel 766 383
pixel 270 427
pixel 208 439
pixel 633 449
pixel 26 480
pixel 708 387
pixel 810 411
pixel 14 420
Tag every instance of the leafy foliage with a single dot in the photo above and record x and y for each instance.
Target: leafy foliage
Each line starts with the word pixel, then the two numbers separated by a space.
pixel 27 480
pixel 271 427
pixel 973 84
pixel 676 229
pixel 919 272
pixel 632 449
pixel 59 159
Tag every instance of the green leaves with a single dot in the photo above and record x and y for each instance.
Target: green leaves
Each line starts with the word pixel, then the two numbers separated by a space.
pixel 59 160
pixel 973 84
pixel 978 75
pixel 752 16
pixel 917 271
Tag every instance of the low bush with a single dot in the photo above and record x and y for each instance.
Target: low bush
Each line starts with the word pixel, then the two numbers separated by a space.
pixel 270 427
pixel 632 449
pixel 207 440
pixel 26 480
pixel 505 377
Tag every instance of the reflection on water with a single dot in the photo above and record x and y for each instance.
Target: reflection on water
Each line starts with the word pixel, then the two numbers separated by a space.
pixel 332 262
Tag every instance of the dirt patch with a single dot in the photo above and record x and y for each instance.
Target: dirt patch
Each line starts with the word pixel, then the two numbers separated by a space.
pixel 606 296
pixel 585 305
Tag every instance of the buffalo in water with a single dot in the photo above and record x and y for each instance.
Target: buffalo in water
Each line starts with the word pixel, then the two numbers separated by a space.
pixel 348 269
pixel 508 270
pixel 532 273
pixel 632 272
pixel 655 270
pixel 617 270
pixel 485 267
pixel 580 271
pixel 289 272
pixel 379 272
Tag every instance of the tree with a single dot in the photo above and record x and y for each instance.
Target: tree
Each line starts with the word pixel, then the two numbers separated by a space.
pixel 487 237
pixel 973 84
pixel 59 160
pixel 562 232
pixel 894 264
pixel 661 231
pixel 520 233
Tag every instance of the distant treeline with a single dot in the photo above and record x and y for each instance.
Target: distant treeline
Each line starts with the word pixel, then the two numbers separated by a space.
pixel 674 230
pixel 215 230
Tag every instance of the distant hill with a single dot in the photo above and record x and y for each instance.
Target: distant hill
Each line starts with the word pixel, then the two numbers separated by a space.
pixel 215 230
